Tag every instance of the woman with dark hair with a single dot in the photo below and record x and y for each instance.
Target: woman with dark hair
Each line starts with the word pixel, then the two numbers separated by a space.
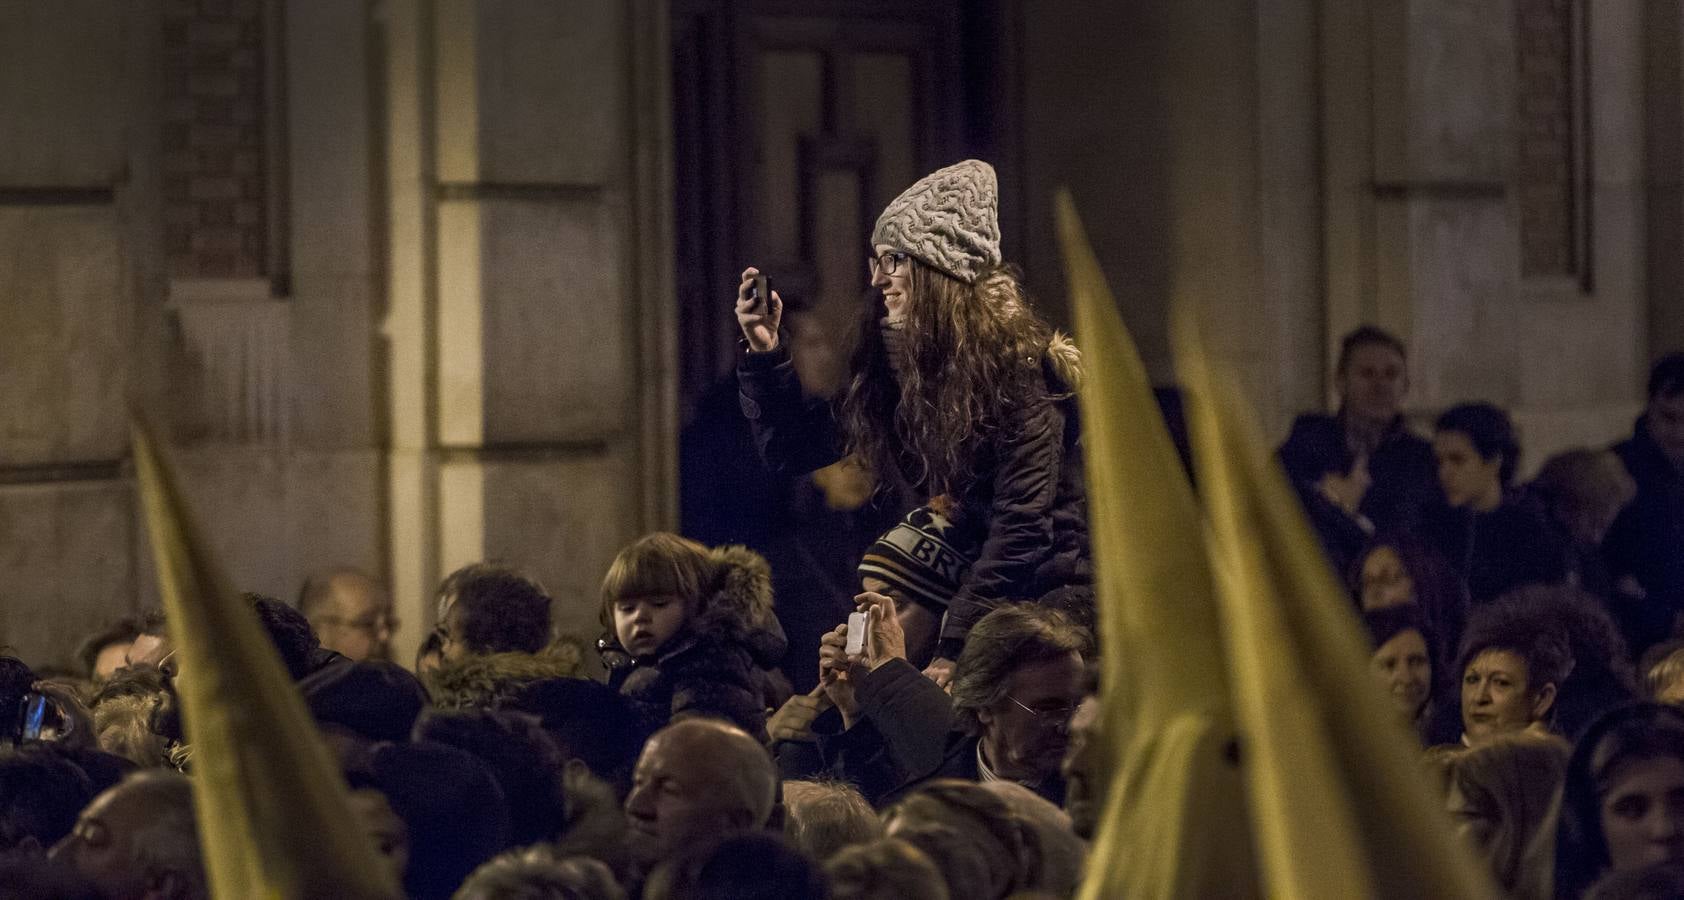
pixel 1601 675
pixel 957 391
pixel 1622 806
pixel 1495 543
pixel 1511 665
pixel 1403 663
pixel 1400 568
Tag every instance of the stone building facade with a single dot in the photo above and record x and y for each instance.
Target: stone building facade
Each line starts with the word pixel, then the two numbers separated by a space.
pixel 418 282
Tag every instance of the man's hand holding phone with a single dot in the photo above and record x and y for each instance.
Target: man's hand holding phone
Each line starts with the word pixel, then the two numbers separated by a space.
pixel 881 638
pixel 759 311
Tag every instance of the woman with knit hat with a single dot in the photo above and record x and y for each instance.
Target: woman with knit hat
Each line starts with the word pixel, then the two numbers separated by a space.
pixel 955 390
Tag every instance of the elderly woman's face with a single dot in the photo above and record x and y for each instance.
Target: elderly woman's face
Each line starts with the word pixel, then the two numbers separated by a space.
pixel 1497 697
pixel 1028 730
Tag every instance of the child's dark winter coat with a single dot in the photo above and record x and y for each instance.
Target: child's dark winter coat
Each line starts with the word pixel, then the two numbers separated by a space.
pixel 717 663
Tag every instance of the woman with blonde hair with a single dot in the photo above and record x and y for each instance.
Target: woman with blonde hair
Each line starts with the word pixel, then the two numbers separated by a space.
pixel 1502 794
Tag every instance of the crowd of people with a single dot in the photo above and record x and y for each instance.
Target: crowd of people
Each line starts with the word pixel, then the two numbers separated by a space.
pixel 953 746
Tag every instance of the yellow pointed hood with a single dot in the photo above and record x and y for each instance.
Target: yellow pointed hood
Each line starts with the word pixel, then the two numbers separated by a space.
pixel 274 818
pixel 1174 824
pixel 1340 803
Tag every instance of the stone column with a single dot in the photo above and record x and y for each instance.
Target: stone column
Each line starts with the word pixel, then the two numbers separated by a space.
pixel 530 391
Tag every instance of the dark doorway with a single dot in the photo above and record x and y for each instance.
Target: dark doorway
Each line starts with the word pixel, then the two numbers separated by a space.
pixel 795 122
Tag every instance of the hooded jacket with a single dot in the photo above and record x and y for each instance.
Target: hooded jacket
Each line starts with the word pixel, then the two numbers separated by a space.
pixel 717 665
pixel 1029 502
pixel 495 679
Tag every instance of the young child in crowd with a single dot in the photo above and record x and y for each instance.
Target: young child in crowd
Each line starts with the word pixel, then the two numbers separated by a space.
pixel 691 631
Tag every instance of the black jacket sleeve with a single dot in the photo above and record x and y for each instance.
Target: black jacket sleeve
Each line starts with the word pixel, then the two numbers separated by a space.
pixel 793 432
pixel 857 755
pixel 800 760
pixel 912 714
pixel 1020 534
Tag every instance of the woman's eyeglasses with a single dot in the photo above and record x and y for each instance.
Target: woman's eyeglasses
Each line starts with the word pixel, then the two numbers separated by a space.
pixel 889 263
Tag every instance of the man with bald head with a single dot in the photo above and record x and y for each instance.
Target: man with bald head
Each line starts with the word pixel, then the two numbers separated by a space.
pixel 696 780
pixel 137 840
pixel 351 613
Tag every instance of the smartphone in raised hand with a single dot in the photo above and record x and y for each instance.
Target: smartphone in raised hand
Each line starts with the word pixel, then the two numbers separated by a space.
pixel 761 293
pixel 857 624
pixel 42 720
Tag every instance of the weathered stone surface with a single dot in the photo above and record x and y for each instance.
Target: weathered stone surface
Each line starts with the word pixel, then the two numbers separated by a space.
pixel 272 516
pixel 1461 281
pixel 62 86
pixel 561 519
pixel 66 565
pixel 550 99
pixel 553 363
pixel 65 323
pixel 1460 70
pixel 333 361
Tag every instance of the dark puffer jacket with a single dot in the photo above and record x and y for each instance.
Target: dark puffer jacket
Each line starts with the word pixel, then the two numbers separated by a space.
pixel 1029 504
pixel 718 665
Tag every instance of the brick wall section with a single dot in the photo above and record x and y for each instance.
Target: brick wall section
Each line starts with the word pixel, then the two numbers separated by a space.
pixel 215 180
pixel 1545 132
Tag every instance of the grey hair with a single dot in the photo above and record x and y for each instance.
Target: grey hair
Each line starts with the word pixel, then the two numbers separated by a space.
pixel 536 873
pixel 1012 636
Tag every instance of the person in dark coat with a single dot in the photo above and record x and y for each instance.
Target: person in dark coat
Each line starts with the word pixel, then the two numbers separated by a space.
pixel 957 390
pixel 1581 492
pixel 1646 543
pixel 1017 685
pixel 811 527
pixel 1372 378
pixel 691 631
pixel 1330 481
pixel 1495 543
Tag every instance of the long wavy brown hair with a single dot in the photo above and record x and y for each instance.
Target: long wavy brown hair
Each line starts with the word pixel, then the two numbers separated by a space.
pixel 971 361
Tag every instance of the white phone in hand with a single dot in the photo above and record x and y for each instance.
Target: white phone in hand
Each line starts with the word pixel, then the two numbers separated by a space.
pixel 856 634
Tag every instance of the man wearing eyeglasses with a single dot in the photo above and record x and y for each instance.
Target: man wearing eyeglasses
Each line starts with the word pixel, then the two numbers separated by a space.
pixel 351 613
pixel 1017 683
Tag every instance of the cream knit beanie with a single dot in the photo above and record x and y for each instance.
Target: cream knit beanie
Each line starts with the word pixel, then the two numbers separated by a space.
pixel 950 219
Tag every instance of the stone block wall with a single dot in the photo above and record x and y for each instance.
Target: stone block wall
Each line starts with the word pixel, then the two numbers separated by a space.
pixel 215 156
